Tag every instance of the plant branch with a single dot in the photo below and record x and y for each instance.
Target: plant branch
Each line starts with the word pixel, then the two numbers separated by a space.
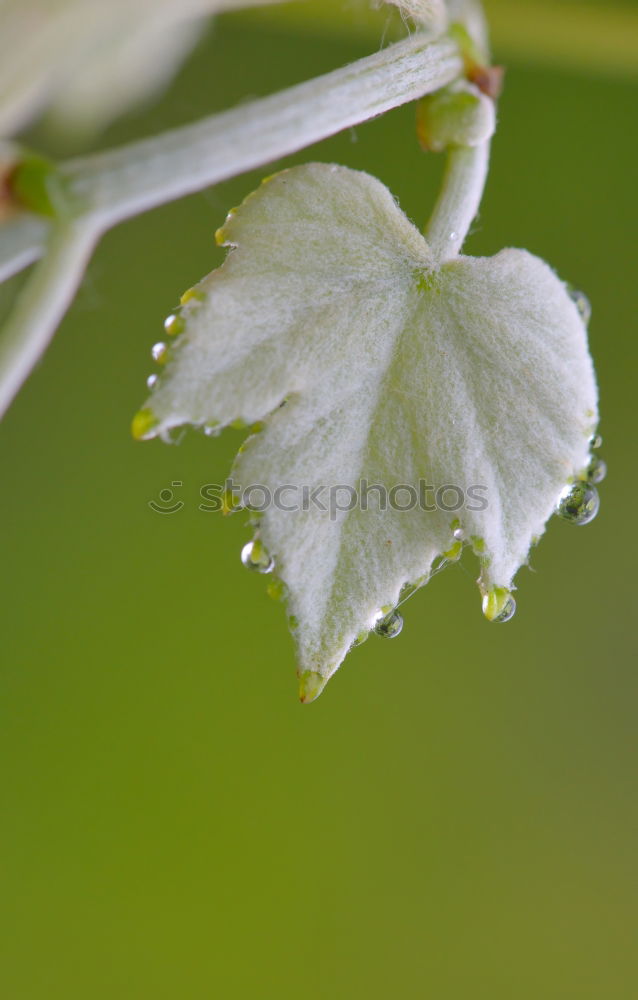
pixel 43 302
pixel 125 182
pixel 459 199
pixel 21 241
pixel 132 179
pixel 109 187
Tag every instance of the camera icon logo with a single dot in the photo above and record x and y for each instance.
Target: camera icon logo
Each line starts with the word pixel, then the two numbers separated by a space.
pixel 166 502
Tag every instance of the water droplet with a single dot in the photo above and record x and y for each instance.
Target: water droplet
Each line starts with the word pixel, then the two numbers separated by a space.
pixel 255 557
pixel 388 625
pixel 151 381
pixel 174 325
pixel 212 428
pixel 596 470
pixel 509 610
pixel 578 503
pixel 159 353
pixel 453 236
pixel 582 303
pixel 595 442
pixel 499 605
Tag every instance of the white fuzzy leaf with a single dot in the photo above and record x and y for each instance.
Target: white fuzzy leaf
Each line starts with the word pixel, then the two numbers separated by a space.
pixel 395 370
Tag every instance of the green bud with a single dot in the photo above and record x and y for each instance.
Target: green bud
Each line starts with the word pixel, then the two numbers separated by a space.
pixel 454 116
pixel 37 184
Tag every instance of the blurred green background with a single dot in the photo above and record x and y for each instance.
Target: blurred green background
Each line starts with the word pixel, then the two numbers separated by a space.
pixel 456 816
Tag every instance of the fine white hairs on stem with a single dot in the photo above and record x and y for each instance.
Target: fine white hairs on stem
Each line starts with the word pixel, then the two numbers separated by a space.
pixel 430 14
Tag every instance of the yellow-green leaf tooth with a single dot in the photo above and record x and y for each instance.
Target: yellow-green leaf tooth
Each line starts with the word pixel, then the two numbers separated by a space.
pixel 143 424
pixel 311 684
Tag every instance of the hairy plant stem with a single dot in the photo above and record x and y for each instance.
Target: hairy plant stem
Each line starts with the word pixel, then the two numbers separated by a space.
pixel 459 199
pixel 126 182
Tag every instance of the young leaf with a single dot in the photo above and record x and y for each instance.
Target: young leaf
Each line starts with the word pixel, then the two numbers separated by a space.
pixel 394 369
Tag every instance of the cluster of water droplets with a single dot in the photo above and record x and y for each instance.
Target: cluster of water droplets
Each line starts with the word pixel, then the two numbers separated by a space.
pixel 161 352
pixel 579 502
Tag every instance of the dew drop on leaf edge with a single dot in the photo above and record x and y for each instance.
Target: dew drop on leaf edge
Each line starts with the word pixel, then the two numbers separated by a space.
pixel 255 557
pixel 498 605
pixel 596 470
pixel 388 626
pixel 582 303
pixel 508 612
pixel 159 353
pixel 578 503
pixel 174 325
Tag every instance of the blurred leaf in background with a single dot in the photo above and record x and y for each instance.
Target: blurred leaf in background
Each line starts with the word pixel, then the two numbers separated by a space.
pixel 457 816
pixel 88 60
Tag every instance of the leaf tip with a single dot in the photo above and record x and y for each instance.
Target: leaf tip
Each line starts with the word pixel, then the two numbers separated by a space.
pixel 191 294
pixel 311 684
pixel 221 234
pixel 143 424
pixel 231 502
